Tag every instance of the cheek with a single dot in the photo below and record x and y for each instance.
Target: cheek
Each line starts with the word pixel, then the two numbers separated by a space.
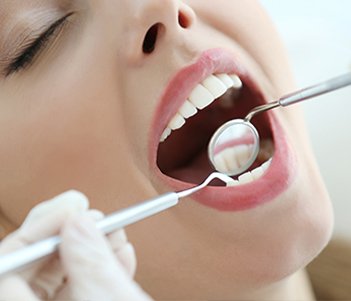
pixel 283 237
pixel 71 137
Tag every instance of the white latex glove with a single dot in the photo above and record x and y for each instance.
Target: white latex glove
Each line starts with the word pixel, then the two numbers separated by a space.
pixel 89 266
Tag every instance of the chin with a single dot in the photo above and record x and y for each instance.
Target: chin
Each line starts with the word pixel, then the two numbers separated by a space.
pixel 286 234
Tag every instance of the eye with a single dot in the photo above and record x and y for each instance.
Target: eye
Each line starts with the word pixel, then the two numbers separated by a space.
pixel 27 56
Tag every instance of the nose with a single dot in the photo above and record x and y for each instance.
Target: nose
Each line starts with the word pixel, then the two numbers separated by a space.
pixel 162 19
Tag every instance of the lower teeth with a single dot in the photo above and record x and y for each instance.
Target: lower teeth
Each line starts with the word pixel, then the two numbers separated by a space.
pixel 251 175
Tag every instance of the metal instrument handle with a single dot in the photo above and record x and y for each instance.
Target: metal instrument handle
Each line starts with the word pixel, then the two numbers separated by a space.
pixel 138 212
pixel 315 90
pixel 41 249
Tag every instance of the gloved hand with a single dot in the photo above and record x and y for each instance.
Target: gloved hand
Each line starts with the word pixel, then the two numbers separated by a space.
pixel 89 265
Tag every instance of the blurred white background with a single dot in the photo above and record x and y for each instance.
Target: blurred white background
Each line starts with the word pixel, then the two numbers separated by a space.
pixel 317 34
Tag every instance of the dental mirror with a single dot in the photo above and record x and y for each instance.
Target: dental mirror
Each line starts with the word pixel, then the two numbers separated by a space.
pixel 235 145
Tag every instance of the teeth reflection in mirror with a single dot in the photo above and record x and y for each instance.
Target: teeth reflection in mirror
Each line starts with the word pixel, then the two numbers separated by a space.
pixel 187 109
pixel 242 154
pixel 216 87
pixel 221 164
pixel 230 157
pixel 225 161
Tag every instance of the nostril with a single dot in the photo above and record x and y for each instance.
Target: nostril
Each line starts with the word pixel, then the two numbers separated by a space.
pixel 151 39
pixel 183 20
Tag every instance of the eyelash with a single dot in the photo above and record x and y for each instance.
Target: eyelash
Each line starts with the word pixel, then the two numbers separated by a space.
pixel 27 56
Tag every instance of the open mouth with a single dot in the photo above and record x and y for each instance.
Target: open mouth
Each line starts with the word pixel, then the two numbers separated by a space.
pixel 182 152
pixel 198 100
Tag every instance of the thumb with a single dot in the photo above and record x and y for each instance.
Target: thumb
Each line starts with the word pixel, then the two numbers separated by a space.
pixel 92 269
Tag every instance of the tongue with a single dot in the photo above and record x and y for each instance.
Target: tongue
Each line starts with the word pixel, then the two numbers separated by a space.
pixel 196 171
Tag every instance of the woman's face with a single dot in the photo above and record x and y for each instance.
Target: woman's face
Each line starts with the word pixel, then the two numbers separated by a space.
pixel 88 88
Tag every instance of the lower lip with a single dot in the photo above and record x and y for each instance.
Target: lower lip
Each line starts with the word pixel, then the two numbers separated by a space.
pixel 250 195
pixel 274 182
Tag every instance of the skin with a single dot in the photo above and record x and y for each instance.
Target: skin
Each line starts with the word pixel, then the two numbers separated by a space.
pixel 79 118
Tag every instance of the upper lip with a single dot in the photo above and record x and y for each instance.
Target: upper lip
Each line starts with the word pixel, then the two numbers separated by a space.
pixel 211 62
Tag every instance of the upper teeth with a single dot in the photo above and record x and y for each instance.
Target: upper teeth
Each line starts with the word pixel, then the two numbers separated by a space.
pixel 201 97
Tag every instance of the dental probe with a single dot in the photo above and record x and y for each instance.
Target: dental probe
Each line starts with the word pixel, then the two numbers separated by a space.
pixel 304 94
pixel 35 252
pixel 237 135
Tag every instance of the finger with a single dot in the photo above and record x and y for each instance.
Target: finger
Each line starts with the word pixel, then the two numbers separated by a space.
pixel 93 272
pixel 123 250
pixel 127 258
pixel 49 280
pixel 41 223
pixel 118 239
pixel 15 288
pixel 71 199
